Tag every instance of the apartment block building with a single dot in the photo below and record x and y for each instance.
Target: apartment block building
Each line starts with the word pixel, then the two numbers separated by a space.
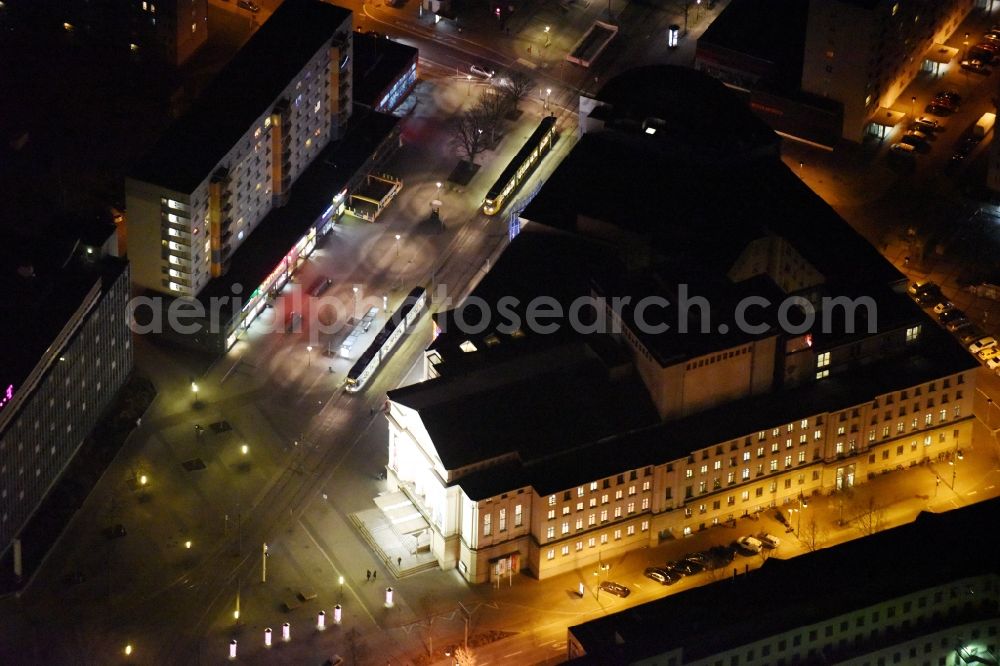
pixel 863 53
pixel 218 171
pixel 906 604
pixel 65 354
pixel 172 30
pixel 659 408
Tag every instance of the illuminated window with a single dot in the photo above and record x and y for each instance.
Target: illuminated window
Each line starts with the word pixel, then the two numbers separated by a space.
pixel 551 533
pixel 550 554
pixel 822 373
pixel 518 516
pixel 502 522
pixel 823 360
pixel 194 27
pixel 565 528
pixel 565 550
pixel 913 333
pixel 552 498
pixel 895 8
pixel 487 524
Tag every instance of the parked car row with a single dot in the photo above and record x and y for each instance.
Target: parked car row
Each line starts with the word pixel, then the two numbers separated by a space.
pixel 982 346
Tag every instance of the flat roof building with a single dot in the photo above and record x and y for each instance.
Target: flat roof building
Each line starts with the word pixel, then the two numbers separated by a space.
pixel 888 598
pixel 217 172
pixel 651 407
pixel 65 351
pixel 385 72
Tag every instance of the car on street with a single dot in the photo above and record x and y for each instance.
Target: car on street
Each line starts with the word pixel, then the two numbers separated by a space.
pixel 993 363
pixel 943 306
pixel 921 286
pixel 248 5
pixel 938 109
pixel 968 334
pixel 988 353
pixel 951 96
pixel 991 36
pixel 482 71
pixel 687 567
pixel 916 134
pixel 984 52
pixel 661 575
pixel 769 541
pixel 957 323
pixel 950 315
pixel 927 123
pixel 903 148
pixel 975 66
pixel 982 343
pixel 749 544
pixel 614 588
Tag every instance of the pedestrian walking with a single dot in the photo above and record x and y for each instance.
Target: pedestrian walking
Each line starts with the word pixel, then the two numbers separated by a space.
pixel 368 574
pixel 399 561
pixel 374 575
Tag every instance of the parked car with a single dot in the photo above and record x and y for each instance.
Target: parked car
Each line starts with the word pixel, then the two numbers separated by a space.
pixel 903 148
pixel 993 363
pixel 687 567
pixel 950 315
pixel 770 541
pixel 661 575
pixel 482 71
pixel 749 544
pixel 938 109
pixel 319 285
pixel 953 97
pixel 943 306
pixel 920 287
pixel 958 323
pixel 616 589
pixel 927 123
pixel 976 66
pixel 969 334
pixel 982 343
pixel 988 353
pixel 916 134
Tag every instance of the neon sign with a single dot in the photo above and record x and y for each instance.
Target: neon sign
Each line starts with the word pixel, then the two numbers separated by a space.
pixel 7 395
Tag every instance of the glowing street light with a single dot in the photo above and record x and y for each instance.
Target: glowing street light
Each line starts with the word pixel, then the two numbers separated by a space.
pixel 187 545
pixel 309 353
pixel 128 650
pixel 548 37
pixel 355 289
pixel 143 480
pixel 397 245
pixel 468 78
pixel 340 580
pixel 244 449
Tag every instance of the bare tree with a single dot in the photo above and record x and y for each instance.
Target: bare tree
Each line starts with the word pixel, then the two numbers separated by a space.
pixel 516 87
pixel 813 536
pixel 870 517
pixel 467 133
pixel 491 108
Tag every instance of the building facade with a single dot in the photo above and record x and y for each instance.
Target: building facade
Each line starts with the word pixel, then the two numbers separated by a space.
pixel 172 30
pixel 550 451
pixel 886 600
pixel 864 53
pixel 219 171
pixel 47 410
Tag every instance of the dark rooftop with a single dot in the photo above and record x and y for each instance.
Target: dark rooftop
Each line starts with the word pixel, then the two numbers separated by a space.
pixel 770 30
pixel 378 63
pixel 311 195
pixel 533 407
pixel 191 148
pixel 35 309
pixel 704 620
pixel 700 213
pixel 486 413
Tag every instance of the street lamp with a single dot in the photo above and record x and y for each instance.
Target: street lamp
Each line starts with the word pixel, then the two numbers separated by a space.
pixel 244 449
pixel 340 580
pixel 548 37
pixel 194 390
pixel 913 106
pixel 128 650
pixel 468 78
pixel 309 352
pixel 355 289
pixel 397 245
pixel 143 480
pixel 548 91
pixel 438 189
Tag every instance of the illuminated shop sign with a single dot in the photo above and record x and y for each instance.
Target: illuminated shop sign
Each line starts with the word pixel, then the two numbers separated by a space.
pixel 7 395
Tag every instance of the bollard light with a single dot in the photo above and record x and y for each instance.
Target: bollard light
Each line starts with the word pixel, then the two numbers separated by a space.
pixel 286 632
pixel 337 614
pixel 267 637
pixel 232 649
pixel 388 597
pixel 321 620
